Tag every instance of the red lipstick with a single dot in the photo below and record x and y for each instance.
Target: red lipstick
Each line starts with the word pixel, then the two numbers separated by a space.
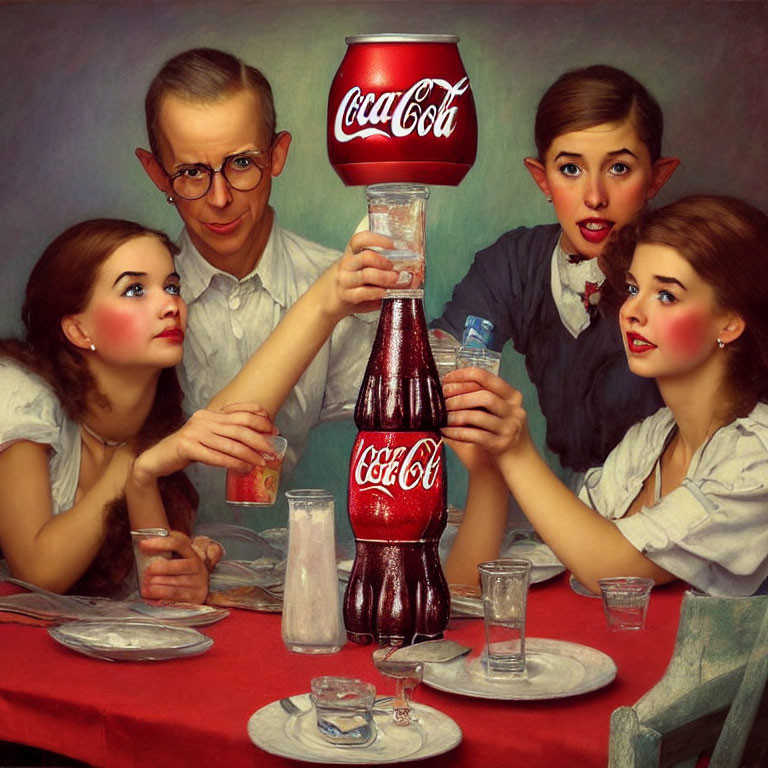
pixel 595 230
pixel 638 344
pixel 172 334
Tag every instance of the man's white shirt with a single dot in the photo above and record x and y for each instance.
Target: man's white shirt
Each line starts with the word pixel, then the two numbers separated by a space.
pixel 228 319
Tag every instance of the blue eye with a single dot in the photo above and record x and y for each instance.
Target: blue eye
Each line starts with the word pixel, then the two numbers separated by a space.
pixel 665 297
pixel 632 290
pixel 570 169
pixel 239 163
pixel 620 169
pixel 173 288
pixel 136 289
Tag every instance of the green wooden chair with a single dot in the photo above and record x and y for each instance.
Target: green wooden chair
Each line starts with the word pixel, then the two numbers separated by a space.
pixel 712 695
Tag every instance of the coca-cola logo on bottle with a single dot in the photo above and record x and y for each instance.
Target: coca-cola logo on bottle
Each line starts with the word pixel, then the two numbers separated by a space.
pixel 402 467
pixel 414 109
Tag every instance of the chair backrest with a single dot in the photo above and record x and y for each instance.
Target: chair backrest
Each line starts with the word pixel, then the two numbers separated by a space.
pixel 683 714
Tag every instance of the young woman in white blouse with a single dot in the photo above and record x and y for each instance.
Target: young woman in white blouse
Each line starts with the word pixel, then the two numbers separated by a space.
pixel 685 494
pixel 92 436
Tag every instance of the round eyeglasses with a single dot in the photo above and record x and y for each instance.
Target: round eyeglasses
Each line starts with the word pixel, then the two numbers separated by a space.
pixel 242 172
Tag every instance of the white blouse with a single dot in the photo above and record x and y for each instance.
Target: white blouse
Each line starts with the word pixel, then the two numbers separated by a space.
pixel 29 410
pixel 712 531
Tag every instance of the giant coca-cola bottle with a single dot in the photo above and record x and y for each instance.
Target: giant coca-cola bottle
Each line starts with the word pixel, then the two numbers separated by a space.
pixel 400 112
pixel 397 593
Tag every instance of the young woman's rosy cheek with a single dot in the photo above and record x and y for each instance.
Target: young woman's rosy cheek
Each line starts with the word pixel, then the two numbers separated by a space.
pixel 120 327
pixel 687 334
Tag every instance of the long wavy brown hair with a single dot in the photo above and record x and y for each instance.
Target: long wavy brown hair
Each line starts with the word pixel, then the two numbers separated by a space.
pixel 726 241
pixel 61 284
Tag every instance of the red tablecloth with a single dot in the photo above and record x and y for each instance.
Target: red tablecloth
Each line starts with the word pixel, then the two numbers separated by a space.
pixel 193 712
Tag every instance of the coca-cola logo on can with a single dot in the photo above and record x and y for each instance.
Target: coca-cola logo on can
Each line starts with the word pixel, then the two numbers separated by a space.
pixel 400 109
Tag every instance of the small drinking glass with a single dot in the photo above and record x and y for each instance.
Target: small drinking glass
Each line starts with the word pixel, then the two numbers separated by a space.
pixel 344 709
pixel 479 357
pixel 143 560
pixel 625 601
pixel 399 212
pixel 408 675
pixel 443 348
pixel 258 488
pixel 505 595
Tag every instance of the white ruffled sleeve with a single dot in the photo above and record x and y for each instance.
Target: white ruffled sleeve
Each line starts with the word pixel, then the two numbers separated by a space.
pixel 712 531
pixel 29 410
pixel 611 488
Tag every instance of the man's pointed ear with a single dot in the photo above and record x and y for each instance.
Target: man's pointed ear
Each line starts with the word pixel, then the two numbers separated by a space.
pixel 663 169
pixel 538 174
pixel 280 148
pixel 153 169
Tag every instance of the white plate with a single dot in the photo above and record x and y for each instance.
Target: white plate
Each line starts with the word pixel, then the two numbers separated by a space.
pixel 297 737
pixel 131 641
pixel 556 669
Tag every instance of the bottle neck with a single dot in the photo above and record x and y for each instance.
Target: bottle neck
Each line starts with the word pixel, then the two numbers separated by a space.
pixel 402 313
pixel 398 293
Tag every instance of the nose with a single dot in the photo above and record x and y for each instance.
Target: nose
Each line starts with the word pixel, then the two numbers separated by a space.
pixel 172 306
pixel 220 193
pixel 595 195
pixel 632 310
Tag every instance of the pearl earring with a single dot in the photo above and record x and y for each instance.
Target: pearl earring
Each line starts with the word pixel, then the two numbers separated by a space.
pixel 720 343
pixel 93 347
pixel 548 198
pixel 169 199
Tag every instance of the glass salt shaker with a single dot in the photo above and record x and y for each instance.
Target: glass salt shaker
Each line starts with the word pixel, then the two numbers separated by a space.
pixel 312 620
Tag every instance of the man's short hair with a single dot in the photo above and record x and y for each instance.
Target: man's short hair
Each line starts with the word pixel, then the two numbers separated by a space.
pixel 206 75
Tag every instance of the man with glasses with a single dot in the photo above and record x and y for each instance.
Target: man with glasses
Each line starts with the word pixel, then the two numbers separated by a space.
pixel 214 151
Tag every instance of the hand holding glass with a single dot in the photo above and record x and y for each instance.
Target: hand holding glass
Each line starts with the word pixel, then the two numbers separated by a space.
pixel 143 561
pixel 258 488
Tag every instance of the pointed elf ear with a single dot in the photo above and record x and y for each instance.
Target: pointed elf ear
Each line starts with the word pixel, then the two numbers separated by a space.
pixel 539 175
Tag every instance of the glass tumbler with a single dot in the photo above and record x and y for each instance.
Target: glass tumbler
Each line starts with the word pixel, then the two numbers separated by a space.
pixel 312 620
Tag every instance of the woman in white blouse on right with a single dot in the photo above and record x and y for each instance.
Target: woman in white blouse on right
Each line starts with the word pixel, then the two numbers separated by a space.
pixel 685 494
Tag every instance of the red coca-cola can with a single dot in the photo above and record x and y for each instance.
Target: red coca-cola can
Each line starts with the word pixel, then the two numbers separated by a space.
pixel 400 109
